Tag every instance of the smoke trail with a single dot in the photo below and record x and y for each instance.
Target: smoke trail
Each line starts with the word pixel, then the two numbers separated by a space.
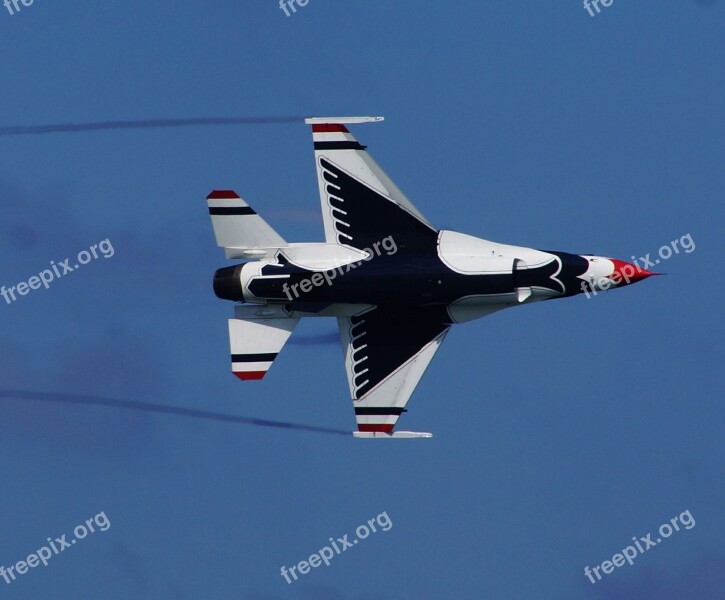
pixel 146 124
pixel 162 409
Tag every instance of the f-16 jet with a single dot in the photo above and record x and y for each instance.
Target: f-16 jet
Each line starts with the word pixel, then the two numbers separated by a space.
pixel 394 282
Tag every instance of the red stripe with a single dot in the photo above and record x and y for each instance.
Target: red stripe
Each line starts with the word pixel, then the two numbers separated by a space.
pixel 250 375
pixel 329 128
pixel 379 427
pixel 223 195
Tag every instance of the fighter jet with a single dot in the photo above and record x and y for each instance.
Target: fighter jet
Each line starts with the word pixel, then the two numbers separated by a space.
pixel 394 282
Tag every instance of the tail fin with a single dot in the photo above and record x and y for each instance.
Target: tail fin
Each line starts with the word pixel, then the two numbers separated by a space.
pixel 256 336
pixel 238 228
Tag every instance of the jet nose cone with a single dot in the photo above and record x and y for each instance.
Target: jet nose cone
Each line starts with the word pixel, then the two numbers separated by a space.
pixel 625 273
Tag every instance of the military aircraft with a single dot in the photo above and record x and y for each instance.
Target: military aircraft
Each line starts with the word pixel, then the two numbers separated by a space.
pixel 394 282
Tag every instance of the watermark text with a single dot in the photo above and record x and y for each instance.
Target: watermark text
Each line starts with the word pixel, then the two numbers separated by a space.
pixel 325 277
pixel 54 547
pixel 47 276
pixel 641 545
pixel 340 545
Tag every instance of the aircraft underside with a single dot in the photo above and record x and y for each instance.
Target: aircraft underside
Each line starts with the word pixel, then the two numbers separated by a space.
pixel 395 283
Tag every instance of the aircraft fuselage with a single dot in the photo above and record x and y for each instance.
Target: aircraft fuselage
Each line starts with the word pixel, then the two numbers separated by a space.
pixel 469 276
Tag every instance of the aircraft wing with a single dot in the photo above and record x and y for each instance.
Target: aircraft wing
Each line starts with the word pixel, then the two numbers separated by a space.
pixel 360 203
pixel 386 353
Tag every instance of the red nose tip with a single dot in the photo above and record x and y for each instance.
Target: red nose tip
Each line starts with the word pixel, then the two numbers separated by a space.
pixel 625 273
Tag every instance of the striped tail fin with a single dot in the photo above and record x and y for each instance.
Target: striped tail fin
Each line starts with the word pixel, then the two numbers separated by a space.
pixel 256 336
pixel 238 228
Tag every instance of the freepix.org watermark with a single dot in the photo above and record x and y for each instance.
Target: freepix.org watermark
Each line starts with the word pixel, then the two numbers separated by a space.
pixel 595 4
pixel 325 277
pixel 10 4
pixel 56 271
pixel 289 5
pixel 340 545
pixel 641 546
pixel 643 262
pixel 55 546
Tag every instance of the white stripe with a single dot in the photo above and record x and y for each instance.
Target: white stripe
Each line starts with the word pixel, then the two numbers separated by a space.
pixel 332 136
pixel 243 367
pixel 226 203
pixel 376 419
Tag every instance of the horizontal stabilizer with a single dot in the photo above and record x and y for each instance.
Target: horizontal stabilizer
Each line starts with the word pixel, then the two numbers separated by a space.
pixel 255 342
pixel 238 228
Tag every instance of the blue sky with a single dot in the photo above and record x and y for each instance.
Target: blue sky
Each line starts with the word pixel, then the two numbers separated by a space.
pixel 561 429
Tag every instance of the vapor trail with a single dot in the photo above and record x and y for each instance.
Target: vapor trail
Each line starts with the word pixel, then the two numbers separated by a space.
pixel 146 124
pixel 161 409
